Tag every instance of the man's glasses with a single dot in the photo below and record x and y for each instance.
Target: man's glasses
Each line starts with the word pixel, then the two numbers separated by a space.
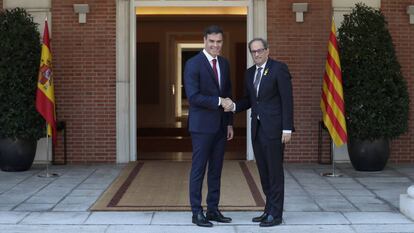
pixel 258 51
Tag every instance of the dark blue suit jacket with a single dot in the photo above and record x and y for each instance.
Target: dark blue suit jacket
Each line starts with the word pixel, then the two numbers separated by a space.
pixel 274 103
pixel 202 89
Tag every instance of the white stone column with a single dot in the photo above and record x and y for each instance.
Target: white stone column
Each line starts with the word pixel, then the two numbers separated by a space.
pixel 407 203
pixel 122 81
pixel 256 27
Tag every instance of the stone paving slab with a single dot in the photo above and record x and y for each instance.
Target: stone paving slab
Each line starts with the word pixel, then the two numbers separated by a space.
pixel 61 207
pixel 314 218
pixel 376 218
pixel 53 229
pixel 34 207
pixel 305 204
pixel 184 218
pixel 178 218
pixel 56 218
pixel 375 207
pixel 377 228
pixel 13 199
pixel 44 199
pixel 119 218
pixel 6 207
pixel 87 192
pixel 170 229
pixel 297 229
pixel 86 200
pixel 8 217
pixel 384 228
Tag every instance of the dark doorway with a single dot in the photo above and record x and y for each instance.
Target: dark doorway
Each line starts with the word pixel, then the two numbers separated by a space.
pixel 161 134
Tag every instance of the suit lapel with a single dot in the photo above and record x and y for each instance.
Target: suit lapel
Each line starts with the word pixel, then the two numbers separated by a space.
pixel 265 74
pixel 222 70
pixel 209 68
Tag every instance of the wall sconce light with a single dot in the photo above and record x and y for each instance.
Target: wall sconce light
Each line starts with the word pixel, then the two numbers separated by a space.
pixel 410 11
pixel 299 8
pixel 81 9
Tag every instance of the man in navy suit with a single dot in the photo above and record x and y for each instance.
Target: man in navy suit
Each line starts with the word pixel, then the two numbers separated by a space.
pixel 269 94
pixel 207 84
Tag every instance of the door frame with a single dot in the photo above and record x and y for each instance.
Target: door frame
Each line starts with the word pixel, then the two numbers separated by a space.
pixel 126 114
pixel 178 83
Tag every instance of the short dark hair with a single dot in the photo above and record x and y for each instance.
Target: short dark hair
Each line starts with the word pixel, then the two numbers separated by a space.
pixel 212 29
pixel 264 42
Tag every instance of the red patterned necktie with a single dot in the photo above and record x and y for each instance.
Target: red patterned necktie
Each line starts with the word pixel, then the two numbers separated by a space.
pixel 215 70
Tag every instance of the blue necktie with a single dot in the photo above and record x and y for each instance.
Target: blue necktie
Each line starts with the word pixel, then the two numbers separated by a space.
pixel 257 80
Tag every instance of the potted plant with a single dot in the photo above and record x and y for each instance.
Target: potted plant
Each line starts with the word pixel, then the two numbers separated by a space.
pixel 20 124
pixel 375 92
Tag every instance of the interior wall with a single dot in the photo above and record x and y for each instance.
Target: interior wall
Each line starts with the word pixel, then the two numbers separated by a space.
pixel 162 33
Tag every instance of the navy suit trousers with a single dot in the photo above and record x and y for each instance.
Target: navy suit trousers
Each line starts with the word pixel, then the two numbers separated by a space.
pixel 208 149
pixel 269 161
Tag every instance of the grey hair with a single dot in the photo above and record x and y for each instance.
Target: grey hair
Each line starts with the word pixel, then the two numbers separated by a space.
pixel 264 42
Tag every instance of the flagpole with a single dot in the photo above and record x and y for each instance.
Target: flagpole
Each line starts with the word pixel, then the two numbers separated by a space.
pixel 332 174
pixel 47 174
pixel 332 102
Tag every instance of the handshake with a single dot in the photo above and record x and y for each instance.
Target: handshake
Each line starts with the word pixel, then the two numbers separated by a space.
pixel 227 104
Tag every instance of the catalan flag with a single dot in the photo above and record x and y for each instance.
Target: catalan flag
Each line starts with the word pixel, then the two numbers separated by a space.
pixel 45 95
pixel 332 102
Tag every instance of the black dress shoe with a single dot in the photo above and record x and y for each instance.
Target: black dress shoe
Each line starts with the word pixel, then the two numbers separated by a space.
pixel 217 216
pixel 201 221
pixel 270 221
pixel 260 218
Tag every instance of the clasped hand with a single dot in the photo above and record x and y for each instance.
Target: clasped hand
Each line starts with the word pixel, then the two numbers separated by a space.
pixel 227 104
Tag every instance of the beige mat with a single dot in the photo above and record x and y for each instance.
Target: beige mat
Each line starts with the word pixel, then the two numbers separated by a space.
pixel 163 185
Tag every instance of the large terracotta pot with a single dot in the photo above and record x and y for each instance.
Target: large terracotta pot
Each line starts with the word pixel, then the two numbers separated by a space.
pixel 369 155
pixel 17 155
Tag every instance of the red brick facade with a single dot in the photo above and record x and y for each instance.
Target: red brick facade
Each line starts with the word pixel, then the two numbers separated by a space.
pixel 85 79
pixel 303 46
pixel 402 33
pixel 84 70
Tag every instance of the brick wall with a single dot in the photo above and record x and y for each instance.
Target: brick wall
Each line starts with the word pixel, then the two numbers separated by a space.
pixel 303 46
pixel 84 72
pixel 402 33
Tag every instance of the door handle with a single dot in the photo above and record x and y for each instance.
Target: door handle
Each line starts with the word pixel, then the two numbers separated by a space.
pixel 173 89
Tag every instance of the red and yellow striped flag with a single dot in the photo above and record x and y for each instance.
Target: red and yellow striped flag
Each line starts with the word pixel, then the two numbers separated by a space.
pixel 45 95
pixel 332 102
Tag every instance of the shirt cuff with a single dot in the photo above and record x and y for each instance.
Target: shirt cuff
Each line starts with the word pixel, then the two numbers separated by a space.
pixel 219 101
pixel 287 131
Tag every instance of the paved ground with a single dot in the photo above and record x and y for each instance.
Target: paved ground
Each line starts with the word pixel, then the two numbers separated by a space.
pixel 357 202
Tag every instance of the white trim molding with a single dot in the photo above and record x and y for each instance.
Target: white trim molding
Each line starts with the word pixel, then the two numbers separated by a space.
pixel 28 4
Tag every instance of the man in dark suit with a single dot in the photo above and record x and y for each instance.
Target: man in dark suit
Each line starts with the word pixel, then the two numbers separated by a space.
pixel 269 94
pixel 207 83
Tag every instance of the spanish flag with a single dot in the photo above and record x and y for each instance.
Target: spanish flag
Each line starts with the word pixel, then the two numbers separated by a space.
pixel 332 102
pixel 45 95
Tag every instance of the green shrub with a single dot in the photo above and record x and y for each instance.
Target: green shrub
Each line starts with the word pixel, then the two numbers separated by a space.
pixel 375 92
pixel 19 65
